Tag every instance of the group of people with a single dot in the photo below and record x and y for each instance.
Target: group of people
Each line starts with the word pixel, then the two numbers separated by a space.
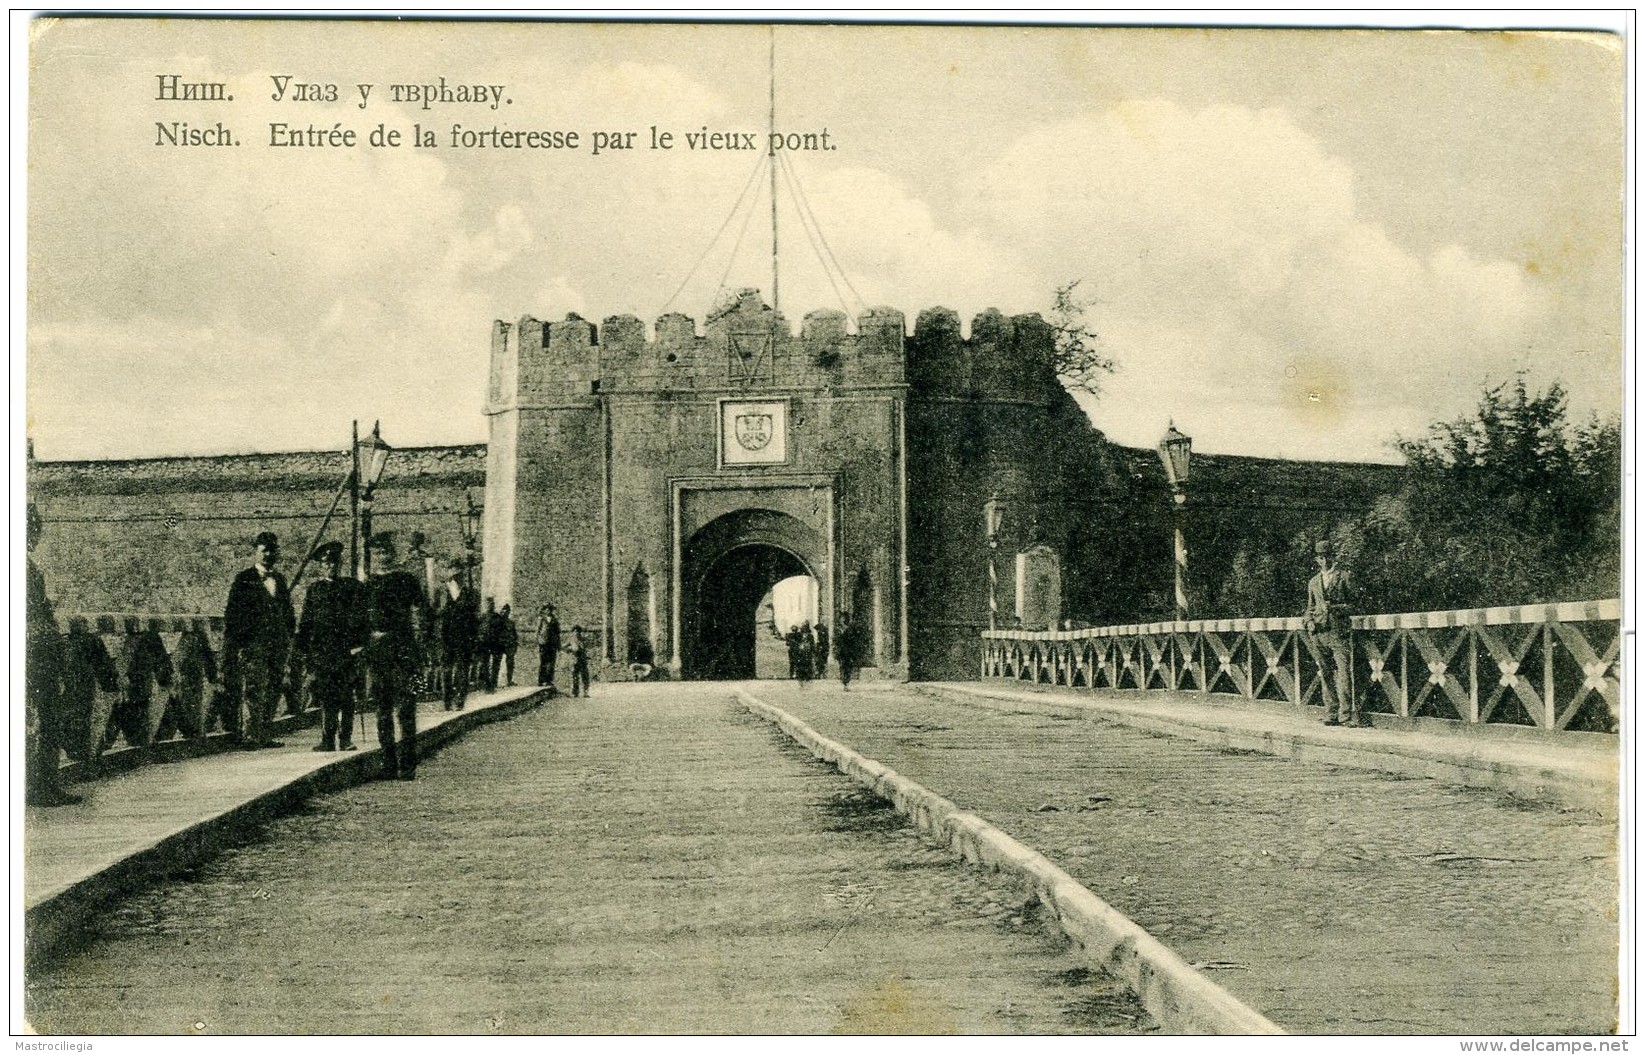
pixel 808 650
pixel 352 635
pixel 383 640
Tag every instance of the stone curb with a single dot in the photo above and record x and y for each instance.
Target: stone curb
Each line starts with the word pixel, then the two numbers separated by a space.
pixel 50 927
pixel 1180 998
pixel 1528 780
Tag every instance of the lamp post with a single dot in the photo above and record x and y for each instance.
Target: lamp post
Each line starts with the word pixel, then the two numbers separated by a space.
pixel 370 457
pixel 993 515
pixel 469 522
pixel 1174 451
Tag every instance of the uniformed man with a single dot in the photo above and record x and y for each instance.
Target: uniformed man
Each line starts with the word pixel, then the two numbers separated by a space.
pixel 330 635
pixel 1328 621
pixel 396 610
pixel 459 622
pixel 257 628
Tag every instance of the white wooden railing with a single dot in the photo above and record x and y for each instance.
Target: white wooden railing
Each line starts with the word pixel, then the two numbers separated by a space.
pixel 1554 666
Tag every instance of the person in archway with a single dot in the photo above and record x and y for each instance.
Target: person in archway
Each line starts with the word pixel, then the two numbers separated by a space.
pixel 802 652
pixel 820 664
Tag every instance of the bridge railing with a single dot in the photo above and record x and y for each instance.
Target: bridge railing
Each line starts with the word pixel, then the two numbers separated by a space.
pixel 137 686
pixel 1552 666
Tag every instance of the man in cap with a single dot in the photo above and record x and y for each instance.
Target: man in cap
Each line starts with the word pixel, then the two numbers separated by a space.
pixel 396 612
pixel 330 633
pixel 43 684
pixel 257 629
pixel 1328 621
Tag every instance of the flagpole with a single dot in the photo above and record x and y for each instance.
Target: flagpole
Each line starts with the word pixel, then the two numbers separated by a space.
pixel 771 163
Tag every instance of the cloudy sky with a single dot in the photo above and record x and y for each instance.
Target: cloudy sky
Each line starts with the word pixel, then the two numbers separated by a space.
pixel 1295 243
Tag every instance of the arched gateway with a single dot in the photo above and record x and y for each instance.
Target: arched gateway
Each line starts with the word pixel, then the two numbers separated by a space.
pixel 726 568
pixel 655 489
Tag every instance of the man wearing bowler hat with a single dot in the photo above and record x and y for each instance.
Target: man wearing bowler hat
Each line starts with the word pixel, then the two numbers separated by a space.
pixel 257 629
pixel 1328 621
pixel 331 631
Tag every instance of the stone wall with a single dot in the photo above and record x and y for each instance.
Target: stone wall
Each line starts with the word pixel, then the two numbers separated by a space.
pixel 167 535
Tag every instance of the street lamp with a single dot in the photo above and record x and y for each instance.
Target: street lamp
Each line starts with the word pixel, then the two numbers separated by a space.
pixel 993 515
pixel 1174 451
pixel 469 521
pixel 370 458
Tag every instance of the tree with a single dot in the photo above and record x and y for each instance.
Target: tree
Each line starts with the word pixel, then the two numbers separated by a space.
pixel 1508 505
pixel 1079 361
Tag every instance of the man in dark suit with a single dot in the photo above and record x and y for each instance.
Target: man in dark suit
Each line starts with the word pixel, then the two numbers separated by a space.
pixel 396 612
pixel 459 622
pixel 548 647
pixel 331 632
pixel 257 628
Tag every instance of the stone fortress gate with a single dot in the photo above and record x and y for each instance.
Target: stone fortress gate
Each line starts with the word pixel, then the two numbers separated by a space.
pixel 655 490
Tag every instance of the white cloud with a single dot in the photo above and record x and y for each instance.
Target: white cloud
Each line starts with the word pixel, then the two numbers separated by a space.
pixel 1236 280
pixel 1232 265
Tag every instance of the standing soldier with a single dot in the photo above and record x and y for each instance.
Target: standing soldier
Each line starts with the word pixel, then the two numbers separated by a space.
pixel 1328 621
pixel 459 617
pixel 396 611
pixel 330 634
pixel 257 628
pixel 43 684
pixel 548 647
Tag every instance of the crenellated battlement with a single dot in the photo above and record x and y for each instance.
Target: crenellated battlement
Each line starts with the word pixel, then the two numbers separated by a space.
pixel 746 345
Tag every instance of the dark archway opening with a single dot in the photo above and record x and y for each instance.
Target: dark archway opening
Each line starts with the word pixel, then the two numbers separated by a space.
pixel 726 604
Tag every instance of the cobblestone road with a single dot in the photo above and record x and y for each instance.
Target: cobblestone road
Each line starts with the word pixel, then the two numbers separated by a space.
pixel 654 860
pixel 1342 901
